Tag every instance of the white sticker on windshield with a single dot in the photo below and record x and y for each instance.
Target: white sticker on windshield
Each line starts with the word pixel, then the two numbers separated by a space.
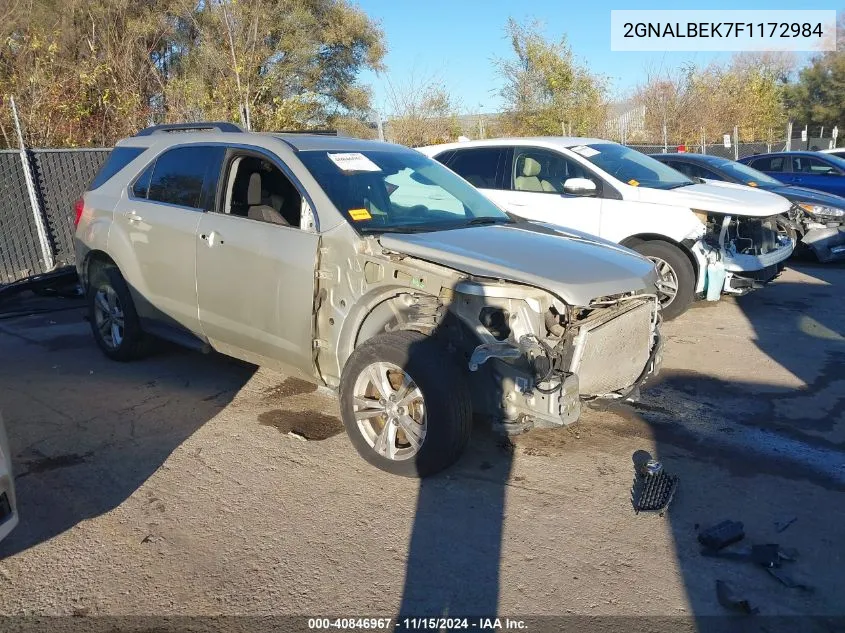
pixel 353 161
pixel 585 151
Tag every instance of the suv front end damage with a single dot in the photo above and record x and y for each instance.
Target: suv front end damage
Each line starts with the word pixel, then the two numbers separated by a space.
pixel 739 253
pixel 820 228
pixel 543 357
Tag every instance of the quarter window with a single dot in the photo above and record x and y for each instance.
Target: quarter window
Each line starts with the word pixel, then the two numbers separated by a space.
pixel 119 158
pixel 180 176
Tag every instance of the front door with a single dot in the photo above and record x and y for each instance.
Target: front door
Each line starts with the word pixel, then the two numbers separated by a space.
pixel 816 173
pixel 256 267
pixel 535 191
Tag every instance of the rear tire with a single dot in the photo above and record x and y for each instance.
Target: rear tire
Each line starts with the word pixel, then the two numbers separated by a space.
pixel 114 320
pixel 420 388
pixel 674 268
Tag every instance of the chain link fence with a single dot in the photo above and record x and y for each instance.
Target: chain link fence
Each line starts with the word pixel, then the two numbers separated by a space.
pixel 36 225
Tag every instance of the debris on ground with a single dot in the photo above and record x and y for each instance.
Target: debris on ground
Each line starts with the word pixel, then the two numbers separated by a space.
pixel 787 581
pixel 730 600
pixel 652 490
pixel 781 526
pixel 721 535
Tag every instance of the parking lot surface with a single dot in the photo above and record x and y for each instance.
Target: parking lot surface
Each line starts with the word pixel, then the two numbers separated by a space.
pixel 195 484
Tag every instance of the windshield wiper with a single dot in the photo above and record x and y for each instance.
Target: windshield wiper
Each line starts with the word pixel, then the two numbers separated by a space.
pixel 487 220
pixel 680 184
pixel 407 228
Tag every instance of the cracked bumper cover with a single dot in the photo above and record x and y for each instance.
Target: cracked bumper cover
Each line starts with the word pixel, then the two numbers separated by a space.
pixel 827 243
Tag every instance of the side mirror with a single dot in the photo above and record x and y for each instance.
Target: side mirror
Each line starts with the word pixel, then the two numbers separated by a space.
pixel 580 187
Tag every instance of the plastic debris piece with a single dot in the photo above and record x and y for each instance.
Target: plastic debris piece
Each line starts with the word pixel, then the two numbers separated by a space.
pixel 787 581
pixel 722 535
pixel 781 526
pixel 653 490
pixel 727 598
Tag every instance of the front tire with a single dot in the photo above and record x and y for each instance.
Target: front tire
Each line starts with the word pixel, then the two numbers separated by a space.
pixel 405 404
pixel 114 320
pixel 676 276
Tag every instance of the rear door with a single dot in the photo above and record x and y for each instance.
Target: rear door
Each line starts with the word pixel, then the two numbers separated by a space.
pixel 817 173
pixel 8 506
pixel 158 227
pixel 255 279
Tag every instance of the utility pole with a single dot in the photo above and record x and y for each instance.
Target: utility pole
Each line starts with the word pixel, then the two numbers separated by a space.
pixel 380 126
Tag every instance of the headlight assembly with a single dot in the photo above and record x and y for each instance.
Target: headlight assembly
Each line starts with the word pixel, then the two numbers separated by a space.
pixel 820 211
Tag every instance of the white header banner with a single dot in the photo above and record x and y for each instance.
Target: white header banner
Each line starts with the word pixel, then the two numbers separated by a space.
pixel 712 30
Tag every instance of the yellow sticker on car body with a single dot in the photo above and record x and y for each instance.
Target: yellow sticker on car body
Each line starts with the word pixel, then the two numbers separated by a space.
pixel 360 214
pixel 634 183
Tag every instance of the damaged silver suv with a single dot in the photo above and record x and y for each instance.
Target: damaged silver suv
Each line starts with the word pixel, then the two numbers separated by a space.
pixel 366 267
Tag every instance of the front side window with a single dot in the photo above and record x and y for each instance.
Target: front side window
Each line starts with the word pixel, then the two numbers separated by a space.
pixel 813 166
pixel 257 189
pixel 631 167
pixel 543 171
pixel 398 191
pixel 180 176
pixel 477 165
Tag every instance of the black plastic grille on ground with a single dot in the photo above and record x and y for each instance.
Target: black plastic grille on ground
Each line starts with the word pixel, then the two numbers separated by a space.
pixel 20 250
pixel 61 176
pixel 653 493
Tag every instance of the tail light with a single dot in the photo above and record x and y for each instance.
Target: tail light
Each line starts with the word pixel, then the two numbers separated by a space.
pixel 79 207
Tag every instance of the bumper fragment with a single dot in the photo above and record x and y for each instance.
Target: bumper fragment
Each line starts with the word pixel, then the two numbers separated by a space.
pixel 828 244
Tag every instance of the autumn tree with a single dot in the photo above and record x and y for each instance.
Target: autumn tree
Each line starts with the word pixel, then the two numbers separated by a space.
pixel 87 72
pixel 420 111
pixel 545 87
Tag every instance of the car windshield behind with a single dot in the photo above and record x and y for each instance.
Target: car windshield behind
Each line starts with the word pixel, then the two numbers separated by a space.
pixel 747 175
pixel 398 191
pixel 632 167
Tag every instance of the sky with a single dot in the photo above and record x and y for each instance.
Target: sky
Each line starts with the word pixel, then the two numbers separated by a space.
pixel 457 40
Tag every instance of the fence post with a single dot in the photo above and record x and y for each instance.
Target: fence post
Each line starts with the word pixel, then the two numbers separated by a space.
pixel 34 203
pixel 769 144
pixel 703 141
pixel 788 136
pixel 736 142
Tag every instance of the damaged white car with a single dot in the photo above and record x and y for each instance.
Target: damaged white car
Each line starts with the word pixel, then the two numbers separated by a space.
pixel 704 239
pixel 368 268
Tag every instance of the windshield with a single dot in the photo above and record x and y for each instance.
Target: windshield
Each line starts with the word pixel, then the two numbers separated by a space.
pixel 747 175
pixel 632 167
pixel 398 191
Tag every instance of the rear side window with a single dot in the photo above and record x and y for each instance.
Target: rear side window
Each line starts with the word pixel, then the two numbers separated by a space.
pixel 478 166
pixel 769 163
pixel 119 158
pixel 181 175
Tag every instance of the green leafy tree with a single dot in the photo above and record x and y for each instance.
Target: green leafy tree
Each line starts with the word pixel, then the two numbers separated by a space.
pixel 546 88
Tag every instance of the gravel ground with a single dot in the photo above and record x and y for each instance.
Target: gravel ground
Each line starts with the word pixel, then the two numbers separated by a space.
pixel 184 484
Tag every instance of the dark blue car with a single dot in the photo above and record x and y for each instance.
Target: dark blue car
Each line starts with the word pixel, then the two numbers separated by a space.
pixel 823 172
pixel 817 219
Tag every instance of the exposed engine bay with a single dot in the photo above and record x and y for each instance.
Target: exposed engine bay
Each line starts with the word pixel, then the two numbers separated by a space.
pixel 540 357
pixel 741 253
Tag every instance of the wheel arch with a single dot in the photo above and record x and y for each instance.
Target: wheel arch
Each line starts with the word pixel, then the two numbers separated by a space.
pixel 632 240
pixel 95 260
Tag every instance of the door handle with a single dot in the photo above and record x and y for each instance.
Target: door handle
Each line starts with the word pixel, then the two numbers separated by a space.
pixel 133 217
pixel 212 238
